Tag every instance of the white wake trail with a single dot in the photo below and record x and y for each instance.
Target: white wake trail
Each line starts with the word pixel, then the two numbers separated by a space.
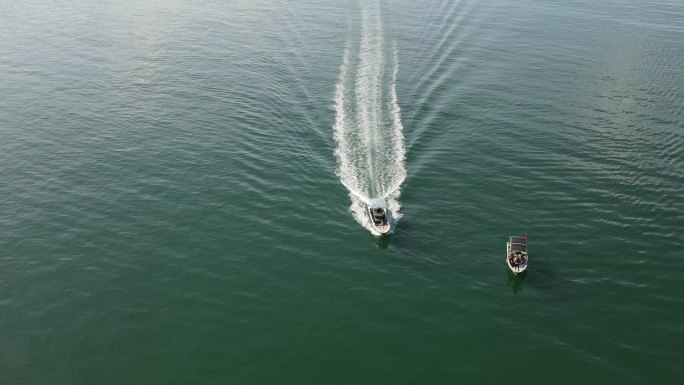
pixel 398 150
pixel 368 130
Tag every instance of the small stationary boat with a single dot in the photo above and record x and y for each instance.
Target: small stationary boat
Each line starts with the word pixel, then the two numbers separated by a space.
pixel 379 215
pixel 516 253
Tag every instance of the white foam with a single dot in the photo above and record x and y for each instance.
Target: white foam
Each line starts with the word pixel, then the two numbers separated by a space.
pixel 368 130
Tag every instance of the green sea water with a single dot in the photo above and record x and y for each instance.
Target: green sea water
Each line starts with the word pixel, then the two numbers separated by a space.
pixel 182 187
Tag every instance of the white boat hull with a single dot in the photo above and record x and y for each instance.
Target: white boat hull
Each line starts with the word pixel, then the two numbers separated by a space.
pixel 384 229
pixel 515 269
pixel 380 220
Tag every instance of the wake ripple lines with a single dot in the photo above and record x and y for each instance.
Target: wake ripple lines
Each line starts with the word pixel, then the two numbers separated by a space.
pixel 368 130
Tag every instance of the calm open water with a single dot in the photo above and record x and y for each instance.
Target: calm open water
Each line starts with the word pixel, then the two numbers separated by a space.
pixel 180 185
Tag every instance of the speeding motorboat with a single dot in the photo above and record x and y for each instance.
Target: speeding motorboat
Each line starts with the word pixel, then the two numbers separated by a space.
pixel 379 215
pixel 516 253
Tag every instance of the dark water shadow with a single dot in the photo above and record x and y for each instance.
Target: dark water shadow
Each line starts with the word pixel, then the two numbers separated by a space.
pixel 516 281
pixel 382 240
pixel 544 276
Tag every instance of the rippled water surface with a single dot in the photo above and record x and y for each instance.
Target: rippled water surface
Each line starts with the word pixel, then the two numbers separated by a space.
pixel 182 188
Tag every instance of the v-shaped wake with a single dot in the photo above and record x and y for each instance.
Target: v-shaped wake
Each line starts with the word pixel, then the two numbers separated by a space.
pixel 368 130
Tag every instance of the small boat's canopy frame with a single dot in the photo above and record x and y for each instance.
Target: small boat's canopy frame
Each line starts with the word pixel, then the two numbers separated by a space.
pixel 518 244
